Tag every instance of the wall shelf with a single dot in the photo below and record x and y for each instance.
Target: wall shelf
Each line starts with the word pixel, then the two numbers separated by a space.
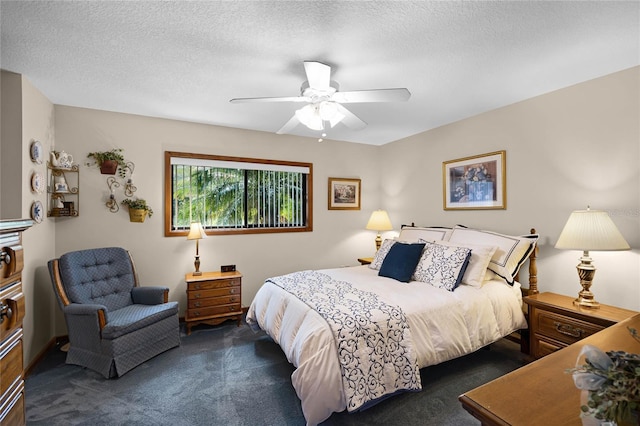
pixel 63 191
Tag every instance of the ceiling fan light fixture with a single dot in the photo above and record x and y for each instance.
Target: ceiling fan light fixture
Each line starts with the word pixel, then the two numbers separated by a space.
pixel 309 116
pixel 327 110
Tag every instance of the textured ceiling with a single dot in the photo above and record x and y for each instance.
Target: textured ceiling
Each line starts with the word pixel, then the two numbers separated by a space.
pixel 186 59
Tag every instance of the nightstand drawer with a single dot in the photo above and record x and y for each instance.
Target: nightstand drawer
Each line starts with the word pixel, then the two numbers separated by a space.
pixel 213 301
pixel 205 285
pixel 214 310
pixel 203 294
pixel 561 328
pixel 542 348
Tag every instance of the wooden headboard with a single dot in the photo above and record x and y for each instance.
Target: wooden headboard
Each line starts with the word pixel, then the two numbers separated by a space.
pixel 533 272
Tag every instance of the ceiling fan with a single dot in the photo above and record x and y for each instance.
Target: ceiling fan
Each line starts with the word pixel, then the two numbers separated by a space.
pixel 324 100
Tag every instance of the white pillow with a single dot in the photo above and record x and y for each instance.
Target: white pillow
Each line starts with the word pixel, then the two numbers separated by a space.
pixel 414 233
pixel 381 254
pixel 442 266
pixel 512 250
pixel 478 263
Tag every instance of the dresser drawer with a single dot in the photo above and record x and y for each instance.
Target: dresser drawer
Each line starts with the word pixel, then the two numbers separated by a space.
pixel 12 299
pixel 203 312
pixel 216 292
pixel 213 301
pixel 561 328
pixel 221 283
pixel 11 361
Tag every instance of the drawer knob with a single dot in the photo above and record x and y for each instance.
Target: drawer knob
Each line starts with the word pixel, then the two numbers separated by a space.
pixel 568 330
pixel 231 309
pixel 4 257
pixel 197 304
pixel 5 311
pixel 233 290
pixel 197 286
pixel 197 295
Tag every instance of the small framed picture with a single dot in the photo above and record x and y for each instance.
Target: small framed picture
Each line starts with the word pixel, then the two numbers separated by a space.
pixel 475 183
pixel 344 194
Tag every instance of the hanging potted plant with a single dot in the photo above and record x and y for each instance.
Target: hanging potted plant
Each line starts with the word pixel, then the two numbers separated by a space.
pixel 110 162
pixel 138 209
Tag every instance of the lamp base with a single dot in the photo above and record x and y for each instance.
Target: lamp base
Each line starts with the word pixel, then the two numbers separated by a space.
pixel 197 265
pixel 586 272
pixel 378 241
pixel 586 302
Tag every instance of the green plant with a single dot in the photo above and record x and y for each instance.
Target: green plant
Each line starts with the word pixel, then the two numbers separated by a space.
pixel 613 381
pixel 113 155
pixel 139 204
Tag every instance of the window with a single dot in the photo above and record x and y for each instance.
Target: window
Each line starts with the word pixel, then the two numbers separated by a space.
pixel 231 195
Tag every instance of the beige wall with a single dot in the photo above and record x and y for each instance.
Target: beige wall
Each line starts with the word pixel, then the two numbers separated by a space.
pixel 566 149
pixel 33 115
pixel 338 237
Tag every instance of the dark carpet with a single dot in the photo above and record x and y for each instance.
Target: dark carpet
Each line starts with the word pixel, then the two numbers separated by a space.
pixel 228 375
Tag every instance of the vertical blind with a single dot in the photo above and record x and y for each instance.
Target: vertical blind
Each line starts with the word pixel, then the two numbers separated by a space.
pixel 237 194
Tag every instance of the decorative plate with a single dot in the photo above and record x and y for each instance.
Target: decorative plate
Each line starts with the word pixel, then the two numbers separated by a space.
pixel 37 183
pixel 37 152
pixel 37 211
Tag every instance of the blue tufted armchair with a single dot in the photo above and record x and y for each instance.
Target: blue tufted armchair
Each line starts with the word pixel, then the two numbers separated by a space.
pixel 113 324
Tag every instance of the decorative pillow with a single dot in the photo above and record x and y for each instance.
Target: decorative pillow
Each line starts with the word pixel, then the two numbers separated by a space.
pixel 415 233
pixel 476 270
pixel 442 266
pixel 512 250
pixel 401 261
pixel 381 254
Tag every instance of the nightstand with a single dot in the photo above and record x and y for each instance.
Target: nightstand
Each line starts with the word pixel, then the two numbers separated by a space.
pixel 213 298
pixel 555 322
pixel 365 260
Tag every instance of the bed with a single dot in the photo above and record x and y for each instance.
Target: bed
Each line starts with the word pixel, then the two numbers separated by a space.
pixel 358 335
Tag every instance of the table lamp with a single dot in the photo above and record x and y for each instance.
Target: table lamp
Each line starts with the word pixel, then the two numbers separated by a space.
pixel 589 230
pixel 196 232
pixel 379 221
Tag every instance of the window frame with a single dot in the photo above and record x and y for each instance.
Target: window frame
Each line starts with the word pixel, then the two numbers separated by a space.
pixel 168 195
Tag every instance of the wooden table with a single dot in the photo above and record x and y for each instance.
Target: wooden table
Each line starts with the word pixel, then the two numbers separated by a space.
pixel 541 393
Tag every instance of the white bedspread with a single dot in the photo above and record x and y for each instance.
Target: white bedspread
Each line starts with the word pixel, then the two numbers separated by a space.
pixel 444 325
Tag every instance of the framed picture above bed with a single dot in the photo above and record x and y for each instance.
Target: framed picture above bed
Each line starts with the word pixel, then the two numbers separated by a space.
pixel 475 183
pixel 344 194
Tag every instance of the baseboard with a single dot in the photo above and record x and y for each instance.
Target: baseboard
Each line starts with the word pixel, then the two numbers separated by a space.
pixel 53 343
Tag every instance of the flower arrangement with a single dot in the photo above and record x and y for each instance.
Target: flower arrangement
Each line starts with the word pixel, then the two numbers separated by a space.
pixel 613 382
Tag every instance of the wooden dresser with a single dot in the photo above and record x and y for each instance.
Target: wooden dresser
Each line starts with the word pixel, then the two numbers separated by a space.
pixel 555 322
pixel 213 297
pixel 12 308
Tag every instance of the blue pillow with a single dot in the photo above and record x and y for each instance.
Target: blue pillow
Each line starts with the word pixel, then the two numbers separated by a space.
pixel 401 261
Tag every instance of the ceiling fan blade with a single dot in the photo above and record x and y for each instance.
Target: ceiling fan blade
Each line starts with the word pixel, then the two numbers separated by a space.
pixel 279 99
pixel 318 75
pixel 351 120
pixel 379 95
pixel 289 126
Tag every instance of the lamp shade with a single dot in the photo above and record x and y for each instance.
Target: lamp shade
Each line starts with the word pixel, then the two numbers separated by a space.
pixel 591 230
pixel 196 232
pixel 379 221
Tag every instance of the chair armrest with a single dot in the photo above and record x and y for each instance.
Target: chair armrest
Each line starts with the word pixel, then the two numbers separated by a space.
pixel 150 295
pixel 97 311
